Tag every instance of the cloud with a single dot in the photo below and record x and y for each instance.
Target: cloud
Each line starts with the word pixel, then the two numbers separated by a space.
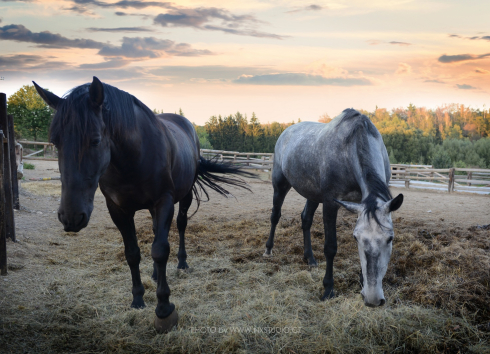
pixel 29 62
pixel 482 71
pixel 125 4
pixel 150 47
pixel 300 79
pixel 400 43
pixel 45 39
pixel 484 38
pixel 207 72
pixel 80 9
pixel 244 32
pixel 119 29
pixel 120 13
pixel 435 81
pixel 137 47
pixel 377 42
pixel 466 87
pixel 460 57
pixel 109 64
pixel 403 69
pixel 19 59
pixel 200 18
pixel 312 7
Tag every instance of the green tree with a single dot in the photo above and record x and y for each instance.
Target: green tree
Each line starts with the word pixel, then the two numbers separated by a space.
pixel 32 116
pixel 203 136
pixel 441 159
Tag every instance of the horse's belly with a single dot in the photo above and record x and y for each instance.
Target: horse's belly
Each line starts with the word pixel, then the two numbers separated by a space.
pixel 305 183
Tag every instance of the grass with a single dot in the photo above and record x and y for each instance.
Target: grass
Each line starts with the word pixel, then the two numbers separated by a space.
pixel 29 166
pixel 74 295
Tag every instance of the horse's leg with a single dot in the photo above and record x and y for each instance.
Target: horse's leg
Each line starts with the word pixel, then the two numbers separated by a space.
pixel 307 220
pixel 163 213
pixel 330 248
pixel 125 223
pixel 154 276
pixel 184 205
pixel 281 188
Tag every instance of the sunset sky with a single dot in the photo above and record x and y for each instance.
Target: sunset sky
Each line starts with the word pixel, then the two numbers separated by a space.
pixel 281 59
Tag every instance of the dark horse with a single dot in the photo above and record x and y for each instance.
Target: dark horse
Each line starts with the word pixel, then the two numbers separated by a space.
pixel 344 159
pixel 109 138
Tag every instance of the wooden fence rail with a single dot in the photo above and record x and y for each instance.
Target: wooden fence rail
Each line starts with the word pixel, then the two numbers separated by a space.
pixel 247 160
pixel 3 231
pixel 9 196
pixel 45 145
pixel 459 179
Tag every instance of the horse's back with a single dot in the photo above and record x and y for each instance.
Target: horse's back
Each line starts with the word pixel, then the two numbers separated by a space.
pixel 318 158
pixel 179 126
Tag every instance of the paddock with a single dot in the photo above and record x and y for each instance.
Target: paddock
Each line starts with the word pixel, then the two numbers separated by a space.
pixel 70 292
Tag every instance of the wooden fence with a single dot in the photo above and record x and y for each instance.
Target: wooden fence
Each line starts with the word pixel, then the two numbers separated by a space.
pixel 455 179
pixel 9 189
pixel 45 146
pixel 247 160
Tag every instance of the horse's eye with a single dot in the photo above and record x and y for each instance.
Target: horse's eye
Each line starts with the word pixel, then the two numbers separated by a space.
pixel 95 142
pixel 390 239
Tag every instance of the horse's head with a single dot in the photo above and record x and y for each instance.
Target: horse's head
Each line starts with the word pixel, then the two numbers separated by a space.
pixel 374 235
pixel 78 131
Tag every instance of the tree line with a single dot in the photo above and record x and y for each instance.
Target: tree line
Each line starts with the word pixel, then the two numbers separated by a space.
pixel 449 135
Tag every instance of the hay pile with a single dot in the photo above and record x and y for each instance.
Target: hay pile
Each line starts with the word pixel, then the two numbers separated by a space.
pixel 74 295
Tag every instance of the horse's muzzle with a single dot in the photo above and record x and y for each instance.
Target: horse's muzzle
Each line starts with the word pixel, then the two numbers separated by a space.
pixel 378 303
pixel 73 223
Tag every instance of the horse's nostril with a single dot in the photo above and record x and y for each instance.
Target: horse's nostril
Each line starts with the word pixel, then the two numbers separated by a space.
pixel 82 218
pixel 382 302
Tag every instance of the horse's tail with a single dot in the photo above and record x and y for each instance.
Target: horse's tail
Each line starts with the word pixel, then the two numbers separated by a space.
pixel 206 176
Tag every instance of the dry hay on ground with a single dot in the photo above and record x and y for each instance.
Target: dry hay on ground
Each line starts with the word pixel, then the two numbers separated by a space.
pixel 73 294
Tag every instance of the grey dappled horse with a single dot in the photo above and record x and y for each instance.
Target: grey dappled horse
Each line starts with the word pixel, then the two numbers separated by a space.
pixel 341 160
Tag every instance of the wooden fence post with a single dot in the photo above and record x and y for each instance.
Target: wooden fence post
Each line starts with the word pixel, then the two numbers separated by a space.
pixel 3 230
pixel 7 180
pixel 450 186
pixel 13 163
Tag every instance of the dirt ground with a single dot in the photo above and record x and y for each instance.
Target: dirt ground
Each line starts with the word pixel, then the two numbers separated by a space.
pixel 44 251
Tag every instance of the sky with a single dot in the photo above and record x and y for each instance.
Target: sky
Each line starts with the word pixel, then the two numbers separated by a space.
pixel 282 59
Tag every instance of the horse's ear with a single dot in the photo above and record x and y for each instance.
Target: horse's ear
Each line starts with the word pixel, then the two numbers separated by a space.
pixel 96 93
pixel 394 204
pixel 51 99
pixel 352 207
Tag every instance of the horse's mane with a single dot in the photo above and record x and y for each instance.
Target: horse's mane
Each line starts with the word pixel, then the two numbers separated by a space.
pixel 76 114
pixel 359 127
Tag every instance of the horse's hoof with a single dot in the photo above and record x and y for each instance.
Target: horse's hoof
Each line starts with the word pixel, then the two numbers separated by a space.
pixel 267 253
pixel 311 262
pixel 165 325
pixel 328 295
pixel 140 304
pixel 183 266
